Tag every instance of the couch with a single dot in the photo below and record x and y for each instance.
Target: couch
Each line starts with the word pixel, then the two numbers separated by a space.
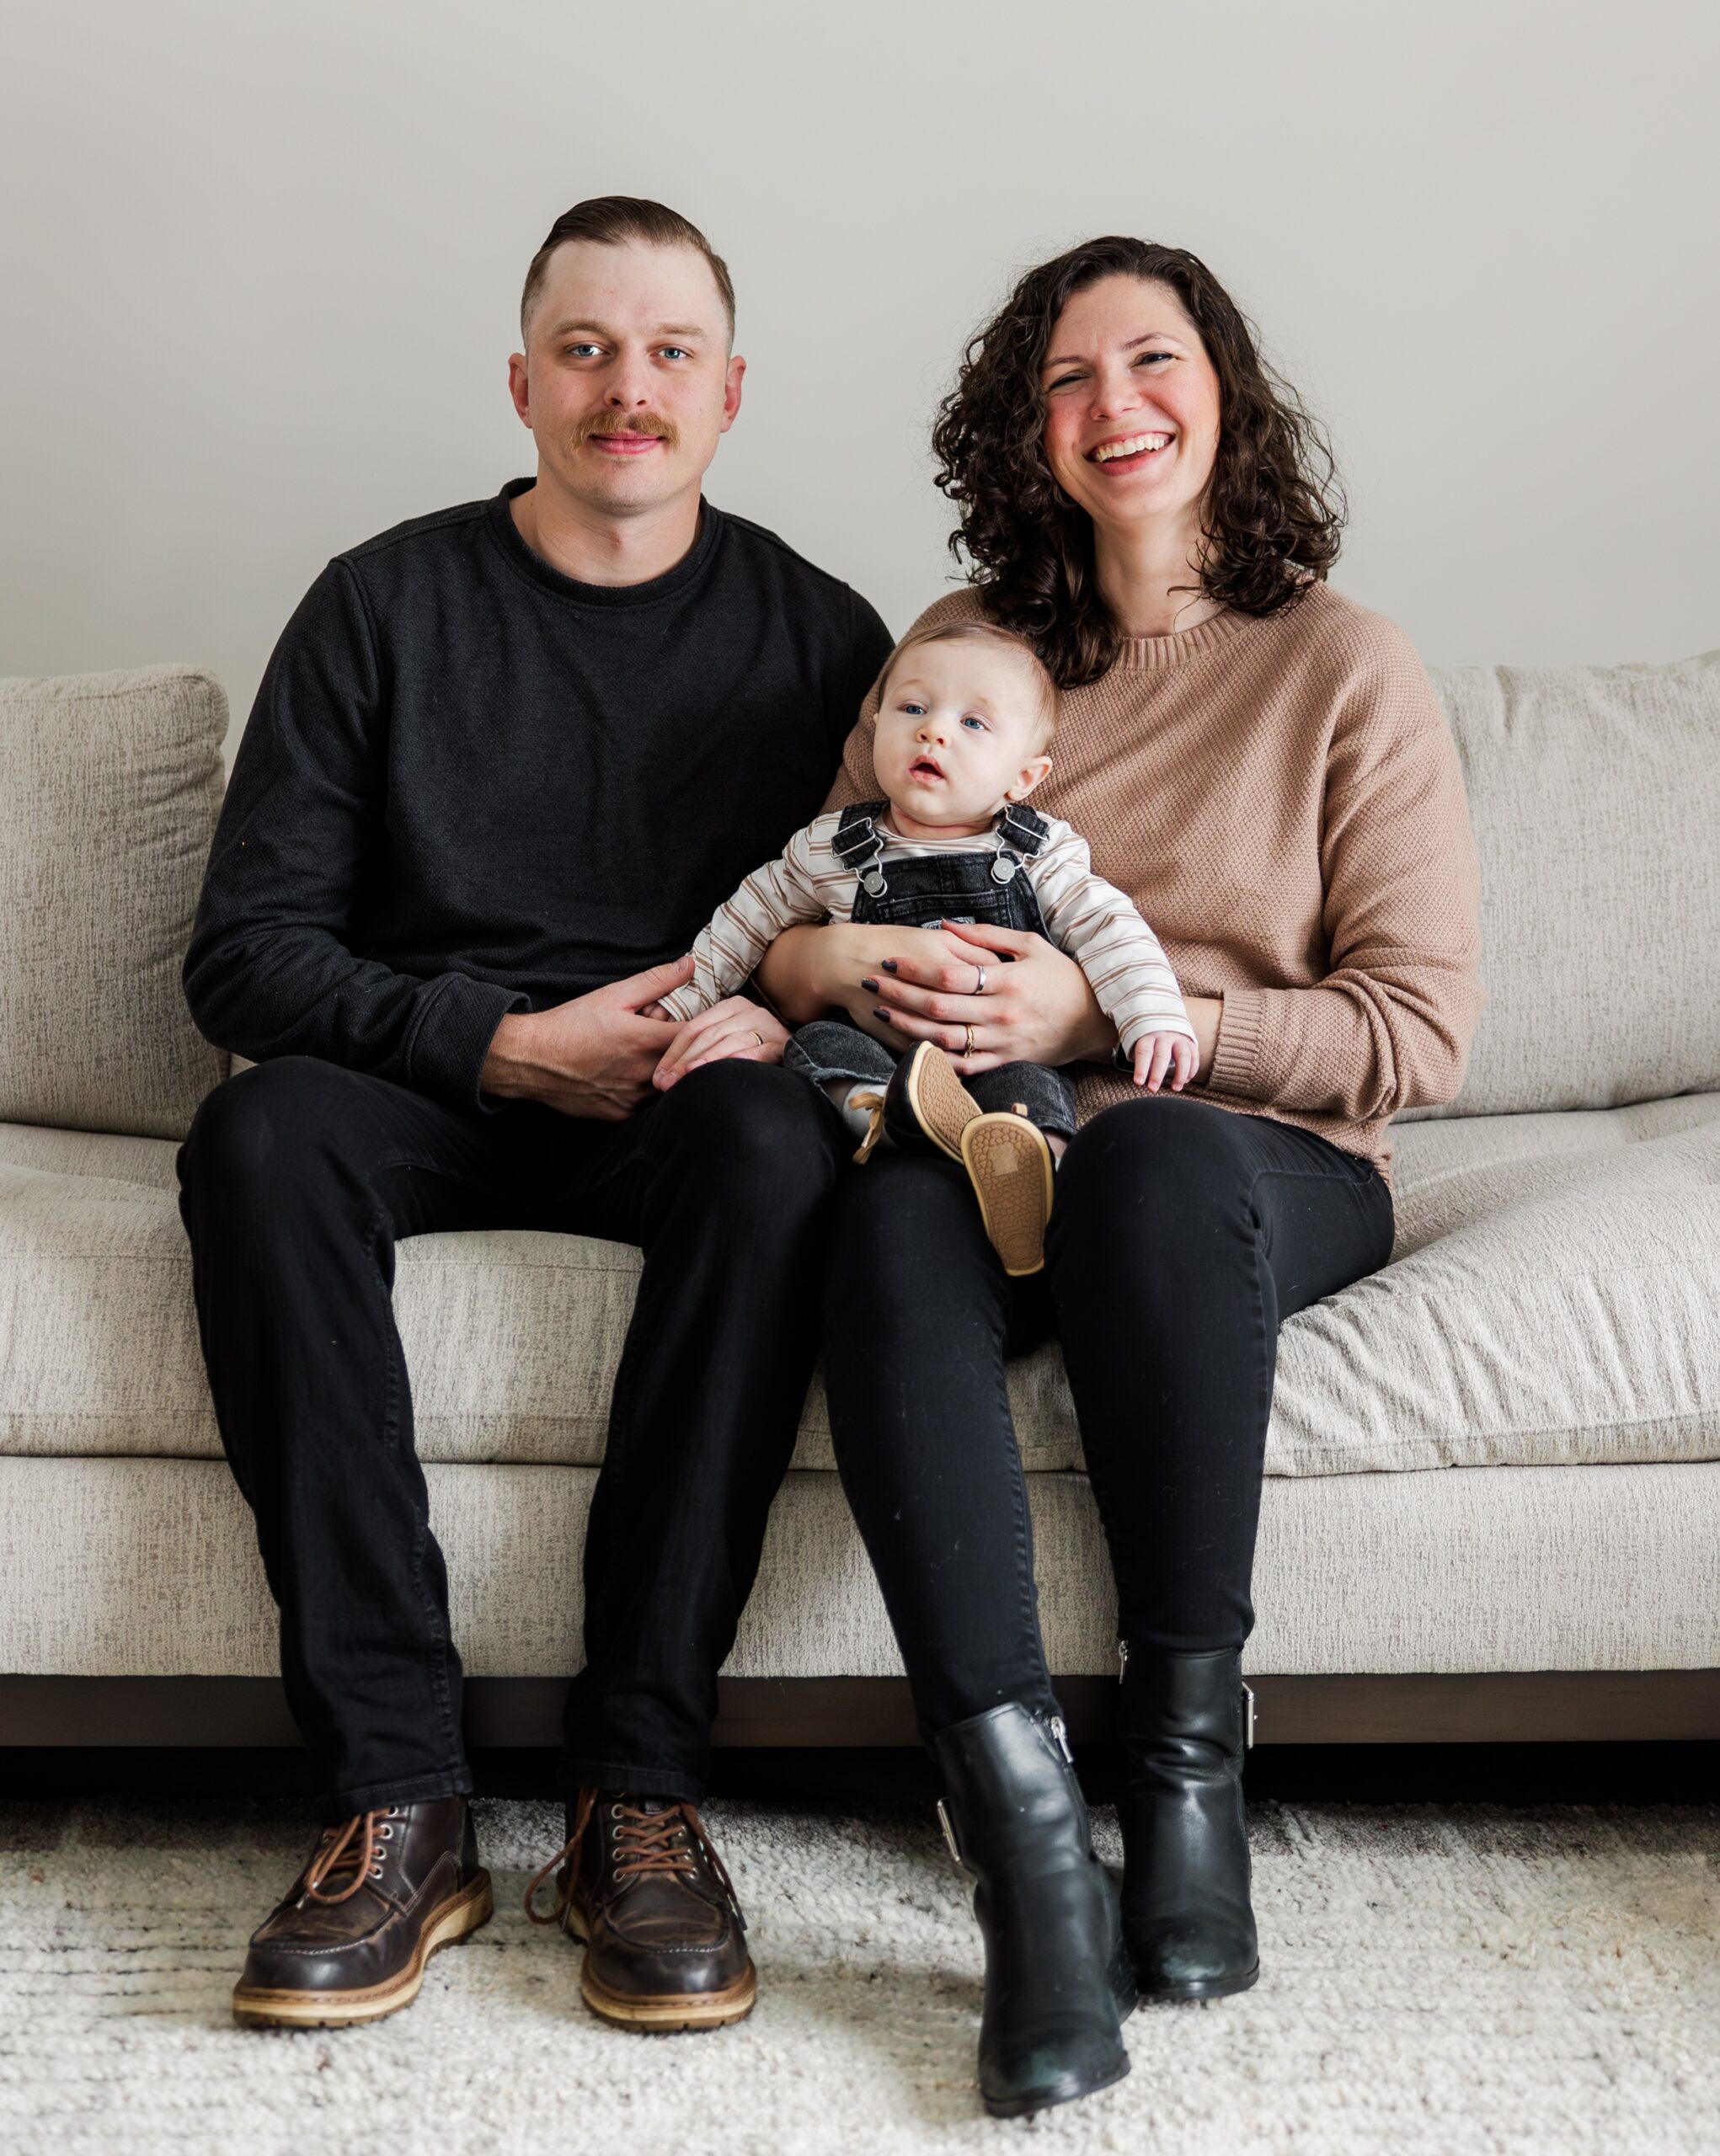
pixel 1492 1497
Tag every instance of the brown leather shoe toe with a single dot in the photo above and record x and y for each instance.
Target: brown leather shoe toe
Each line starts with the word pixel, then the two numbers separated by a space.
pixel 380 1894
pixel 641 1883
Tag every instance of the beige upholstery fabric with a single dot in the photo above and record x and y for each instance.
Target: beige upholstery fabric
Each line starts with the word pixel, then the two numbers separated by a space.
pixel 150 1567
pixel 1553 1298
pixel 1594 793
pixel 113 782
pixel 1539 1364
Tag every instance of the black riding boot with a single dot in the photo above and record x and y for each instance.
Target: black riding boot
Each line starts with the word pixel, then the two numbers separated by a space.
pixel 1182 1725
pixel 1058 1983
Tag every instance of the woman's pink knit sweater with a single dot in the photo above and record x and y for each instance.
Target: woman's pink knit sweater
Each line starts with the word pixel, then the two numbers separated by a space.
pixel 1282 799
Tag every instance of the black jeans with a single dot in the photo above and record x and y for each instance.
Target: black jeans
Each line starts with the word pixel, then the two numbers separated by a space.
pixel 1181 1236
pixel 296 1180
pixel 837 1048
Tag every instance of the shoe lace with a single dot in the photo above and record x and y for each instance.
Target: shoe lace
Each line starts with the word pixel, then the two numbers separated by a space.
pixel 671 1840
pixel 873 1102
pixel 354 1846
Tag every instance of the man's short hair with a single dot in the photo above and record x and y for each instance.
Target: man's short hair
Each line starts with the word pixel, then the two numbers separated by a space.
pixel 991 633
pixel 621 221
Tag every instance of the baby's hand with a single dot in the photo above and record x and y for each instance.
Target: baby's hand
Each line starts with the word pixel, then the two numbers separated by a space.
pixel 1154 1052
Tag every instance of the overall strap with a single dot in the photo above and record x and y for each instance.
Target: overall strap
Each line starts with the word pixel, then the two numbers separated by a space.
pixel 1022 832
pixel 859 845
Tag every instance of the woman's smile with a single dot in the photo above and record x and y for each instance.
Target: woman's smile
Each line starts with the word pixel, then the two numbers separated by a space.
pixel 1129 453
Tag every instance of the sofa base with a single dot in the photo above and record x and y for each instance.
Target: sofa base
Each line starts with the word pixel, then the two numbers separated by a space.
pixel 1494 1706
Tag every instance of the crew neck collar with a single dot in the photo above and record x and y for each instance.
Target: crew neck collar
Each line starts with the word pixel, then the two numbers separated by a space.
pixel 548 578
pixel 1158 655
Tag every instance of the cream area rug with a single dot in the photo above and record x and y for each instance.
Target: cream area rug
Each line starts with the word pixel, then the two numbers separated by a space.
pixel 1441 1978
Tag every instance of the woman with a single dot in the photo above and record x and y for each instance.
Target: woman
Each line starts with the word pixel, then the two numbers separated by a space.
pixel 1261 764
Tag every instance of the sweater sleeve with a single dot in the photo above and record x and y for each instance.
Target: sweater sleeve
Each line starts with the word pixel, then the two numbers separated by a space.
pixel 781 894
pixel 270 970
pixel 1389 1025
pixel 1101 929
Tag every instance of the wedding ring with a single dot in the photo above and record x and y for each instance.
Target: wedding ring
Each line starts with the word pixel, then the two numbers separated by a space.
pixel 760 1038
pixel 980 990
pixel 967 1044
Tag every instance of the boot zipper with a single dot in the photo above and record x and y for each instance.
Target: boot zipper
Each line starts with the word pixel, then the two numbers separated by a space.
pixel 949 1834
pixel 1060 1733
pixel 1248 1716
pixel 1122 1660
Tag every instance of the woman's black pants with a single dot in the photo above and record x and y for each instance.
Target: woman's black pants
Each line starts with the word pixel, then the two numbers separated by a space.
pixel 1181 1236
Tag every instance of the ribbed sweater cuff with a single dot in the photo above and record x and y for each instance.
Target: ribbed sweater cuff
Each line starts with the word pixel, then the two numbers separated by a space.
pixel 1236 1063
pixel 446 1055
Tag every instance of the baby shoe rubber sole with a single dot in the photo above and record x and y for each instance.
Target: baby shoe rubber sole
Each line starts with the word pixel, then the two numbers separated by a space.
pixel 925 1103
pixel 1014 1174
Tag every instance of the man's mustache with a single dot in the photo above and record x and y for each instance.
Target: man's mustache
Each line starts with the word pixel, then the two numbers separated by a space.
pixel 621 423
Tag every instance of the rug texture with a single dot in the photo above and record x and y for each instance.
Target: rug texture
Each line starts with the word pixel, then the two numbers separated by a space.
pixel 1441 1978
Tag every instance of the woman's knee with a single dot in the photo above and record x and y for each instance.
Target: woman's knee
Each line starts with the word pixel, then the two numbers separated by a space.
pixel 1143 1177
pixel 1155 1144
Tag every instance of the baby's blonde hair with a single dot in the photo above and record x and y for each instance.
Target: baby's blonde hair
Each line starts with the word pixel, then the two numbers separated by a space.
pixel 991 633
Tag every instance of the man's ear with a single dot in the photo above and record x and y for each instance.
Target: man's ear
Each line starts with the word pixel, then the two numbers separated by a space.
pixel 1030 775
pixel 520 386
pixel 731 393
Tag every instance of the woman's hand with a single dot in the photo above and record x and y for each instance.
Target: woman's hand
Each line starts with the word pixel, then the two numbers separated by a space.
pixel 1039 1009
pixel 733 1029
pixel 808 971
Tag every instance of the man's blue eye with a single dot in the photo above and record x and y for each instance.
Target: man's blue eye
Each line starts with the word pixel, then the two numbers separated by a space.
pixel 676 352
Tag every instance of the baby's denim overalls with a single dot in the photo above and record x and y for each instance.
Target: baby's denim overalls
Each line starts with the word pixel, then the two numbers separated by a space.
pixel 990 885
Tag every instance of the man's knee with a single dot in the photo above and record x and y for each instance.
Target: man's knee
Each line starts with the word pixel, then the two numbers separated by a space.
pixel 753 1127
pixel 261 1131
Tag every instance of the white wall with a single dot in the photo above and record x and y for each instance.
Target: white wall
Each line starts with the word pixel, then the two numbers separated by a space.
pixel 259 263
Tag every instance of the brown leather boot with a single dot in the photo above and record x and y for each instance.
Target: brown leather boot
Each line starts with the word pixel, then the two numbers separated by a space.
pixel 641 1883
pixel 380 1894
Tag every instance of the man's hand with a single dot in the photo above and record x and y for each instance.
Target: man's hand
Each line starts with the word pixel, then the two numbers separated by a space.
pixel 733 1028
pixel 592 1057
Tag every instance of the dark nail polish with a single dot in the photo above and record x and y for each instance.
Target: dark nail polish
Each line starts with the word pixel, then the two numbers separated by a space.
pixel 870 987
pixel 879 1012
pixel 889 965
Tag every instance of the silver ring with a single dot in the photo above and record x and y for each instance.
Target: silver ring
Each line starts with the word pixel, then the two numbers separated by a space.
pixel 980 990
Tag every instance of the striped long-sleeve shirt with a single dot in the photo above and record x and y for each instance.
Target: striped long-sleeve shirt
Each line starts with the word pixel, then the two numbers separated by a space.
pixel 1088 919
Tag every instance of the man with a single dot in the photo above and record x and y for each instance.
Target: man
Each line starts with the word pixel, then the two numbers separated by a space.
pixel 483 804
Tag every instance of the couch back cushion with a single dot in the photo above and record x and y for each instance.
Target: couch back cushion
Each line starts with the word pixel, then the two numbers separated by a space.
pixel 113 782
pixel 1595 792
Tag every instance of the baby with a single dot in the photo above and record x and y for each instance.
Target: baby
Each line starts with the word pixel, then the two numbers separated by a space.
pixel 965 714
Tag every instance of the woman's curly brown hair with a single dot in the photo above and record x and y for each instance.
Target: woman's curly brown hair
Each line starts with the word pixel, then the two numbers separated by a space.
pixel 1272 509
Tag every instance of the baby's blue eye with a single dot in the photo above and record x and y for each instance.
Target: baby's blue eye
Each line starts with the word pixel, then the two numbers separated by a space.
pixel 914 710
pixel 971 721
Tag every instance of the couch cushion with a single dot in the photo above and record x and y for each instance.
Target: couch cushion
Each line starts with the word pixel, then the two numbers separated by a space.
pixel 113 783
pixel 1553 1295
pixel 150 1567
pixel 1594 792
pixel 1553 1298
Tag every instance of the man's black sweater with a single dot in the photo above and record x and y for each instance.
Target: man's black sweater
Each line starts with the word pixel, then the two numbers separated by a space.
pixel 471 785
